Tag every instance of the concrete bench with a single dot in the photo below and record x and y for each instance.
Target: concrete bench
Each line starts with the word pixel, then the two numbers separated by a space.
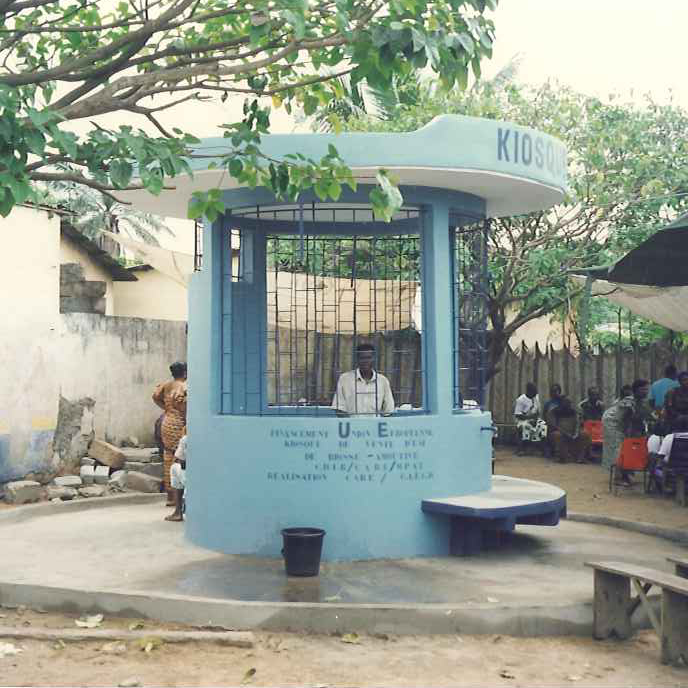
pixel 614 606
pixel 481 519
pixel 681 566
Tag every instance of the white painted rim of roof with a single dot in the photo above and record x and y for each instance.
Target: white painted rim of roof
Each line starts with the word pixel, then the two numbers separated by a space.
pixel 504 194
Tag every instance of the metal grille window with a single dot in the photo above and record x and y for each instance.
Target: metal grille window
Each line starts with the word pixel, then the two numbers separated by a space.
pixel 470 315
pixel 317 296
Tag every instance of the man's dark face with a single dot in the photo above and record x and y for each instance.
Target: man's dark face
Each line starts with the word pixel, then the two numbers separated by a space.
pixel 366 360
pixel 555 392
pixel 593 394
pixel 531 391
pixel 684 381
pixel 641 392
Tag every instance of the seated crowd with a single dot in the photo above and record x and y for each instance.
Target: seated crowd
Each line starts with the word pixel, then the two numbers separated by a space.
pixel 559 427
pixel 658 414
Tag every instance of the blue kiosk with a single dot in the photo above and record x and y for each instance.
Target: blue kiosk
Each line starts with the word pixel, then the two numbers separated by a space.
pixel 285 294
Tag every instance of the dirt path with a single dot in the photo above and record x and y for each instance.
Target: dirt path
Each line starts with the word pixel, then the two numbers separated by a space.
pixel 587 487
pixel 304 660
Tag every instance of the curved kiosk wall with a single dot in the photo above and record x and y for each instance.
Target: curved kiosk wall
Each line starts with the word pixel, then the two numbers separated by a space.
pixel 252 471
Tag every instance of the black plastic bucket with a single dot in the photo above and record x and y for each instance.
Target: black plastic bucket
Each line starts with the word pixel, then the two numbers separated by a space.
pixel 302 549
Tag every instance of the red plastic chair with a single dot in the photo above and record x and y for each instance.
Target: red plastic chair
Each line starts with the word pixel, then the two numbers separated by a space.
pixel 632 457
pixel 594 429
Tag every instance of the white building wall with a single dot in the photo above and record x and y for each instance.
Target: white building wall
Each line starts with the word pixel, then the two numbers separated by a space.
pixel 29 305
pixel 154 295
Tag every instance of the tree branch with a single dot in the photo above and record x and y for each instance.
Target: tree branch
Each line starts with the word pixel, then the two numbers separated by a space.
pixel 105 189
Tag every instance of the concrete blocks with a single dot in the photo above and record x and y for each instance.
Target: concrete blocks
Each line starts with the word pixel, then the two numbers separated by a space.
pixel 83 290
pixel 142 455
pixel 68 481
pixel 118 481
pixel 23 491
pixel 154 469
pixel 71 272
pixel 101 475
pixel 130 441
pixel 88 474
pixel 88 461
pixel 81 304
pixel 61 493
pixel 79 295
pixel 92 491
pixel 140 482
pixel 107 454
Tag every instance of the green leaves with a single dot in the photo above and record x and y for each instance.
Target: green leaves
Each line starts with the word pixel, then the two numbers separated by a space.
pixel 207 204
pixel 627 173
pixel 120 173
pixel 74 54
pixel 386 199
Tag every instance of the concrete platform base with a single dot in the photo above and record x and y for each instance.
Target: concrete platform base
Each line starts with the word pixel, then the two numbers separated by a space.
pixel 118 556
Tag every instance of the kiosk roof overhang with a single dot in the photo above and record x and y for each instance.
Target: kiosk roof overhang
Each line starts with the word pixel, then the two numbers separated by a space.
pixel 514 169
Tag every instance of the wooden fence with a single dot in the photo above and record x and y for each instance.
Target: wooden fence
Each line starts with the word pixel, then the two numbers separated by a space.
pixel 305 367
pixel 606 369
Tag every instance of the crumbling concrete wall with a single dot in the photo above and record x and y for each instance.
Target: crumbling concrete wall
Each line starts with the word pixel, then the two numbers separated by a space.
pixel 90 376
pixel 74 431
pixel 117 362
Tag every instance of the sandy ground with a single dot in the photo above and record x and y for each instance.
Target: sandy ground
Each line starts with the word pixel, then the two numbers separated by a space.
pixel 587 487
pixel 299 660
pixel 306 660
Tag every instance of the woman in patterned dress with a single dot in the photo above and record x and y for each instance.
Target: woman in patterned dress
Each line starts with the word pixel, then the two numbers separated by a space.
pixel 628 416
pixel 171 397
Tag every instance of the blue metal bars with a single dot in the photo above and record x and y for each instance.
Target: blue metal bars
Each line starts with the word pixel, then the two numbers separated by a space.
pixel 295 327
pixel 470 314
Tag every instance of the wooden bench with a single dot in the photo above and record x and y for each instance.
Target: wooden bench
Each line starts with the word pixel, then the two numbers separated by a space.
pixel 681 566
pixel 614 606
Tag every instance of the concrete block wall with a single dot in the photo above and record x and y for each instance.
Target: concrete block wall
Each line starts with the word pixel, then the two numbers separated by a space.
pixel 79 295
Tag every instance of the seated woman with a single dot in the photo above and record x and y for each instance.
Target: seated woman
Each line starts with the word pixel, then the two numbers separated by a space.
pixel 592 407
pixel 555 396
pixel 680 432
pixel 569 441
pixel 531 428
pixel 676 401
pixel 673 448
pixel 658 433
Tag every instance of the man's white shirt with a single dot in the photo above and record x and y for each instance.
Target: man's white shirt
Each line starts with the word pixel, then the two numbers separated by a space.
pixel 357 396
pixel 668 443
pixel 525 405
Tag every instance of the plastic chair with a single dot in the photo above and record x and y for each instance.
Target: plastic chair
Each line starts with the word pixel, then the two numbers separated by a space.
pixel 594 429
pixel 632 457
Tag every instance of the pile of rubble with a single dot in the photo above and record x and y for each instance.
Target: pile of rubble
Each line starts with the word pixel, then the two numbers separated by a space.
pixel 106 470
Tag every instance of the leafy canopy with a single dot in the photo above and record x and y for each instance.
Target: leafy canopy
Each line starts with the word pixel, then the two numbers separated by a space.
pixel 76 60
pixel 628 174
